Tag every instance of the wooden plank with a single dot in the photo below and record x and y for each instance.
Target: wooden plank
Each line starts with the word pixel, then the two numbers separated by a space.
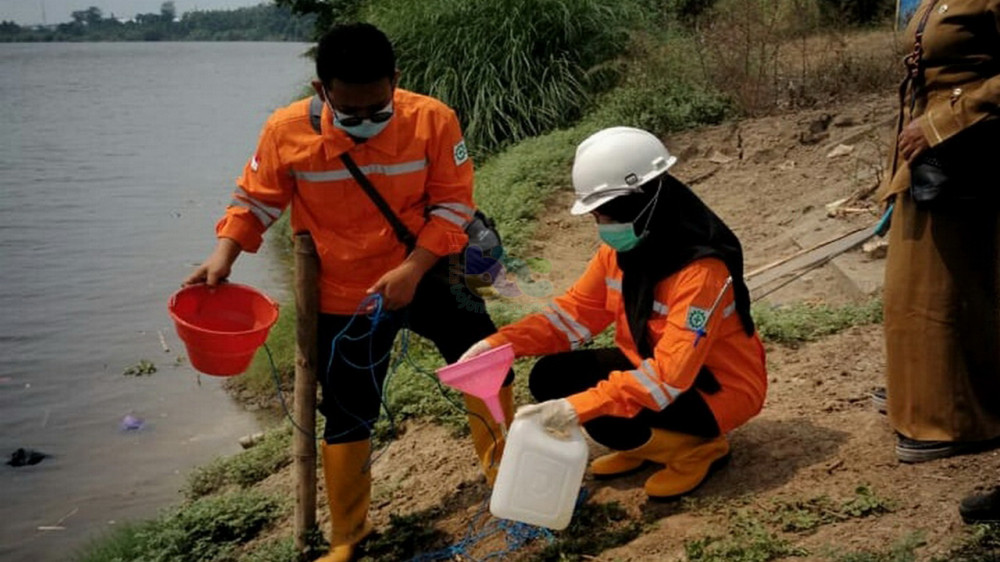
pixel 760 279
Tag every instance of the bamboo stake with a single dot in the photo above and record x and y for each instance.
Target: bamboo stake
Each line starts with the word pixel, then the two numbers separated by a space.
pixel 304 442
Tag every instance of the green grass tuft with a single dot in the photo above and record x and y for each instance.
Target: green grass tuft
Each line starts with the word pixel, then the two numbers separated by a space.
pixel 982 545
pixel 903 550
pixel 243 469
pixel 804 322
pixel 209 529
pixel 749 540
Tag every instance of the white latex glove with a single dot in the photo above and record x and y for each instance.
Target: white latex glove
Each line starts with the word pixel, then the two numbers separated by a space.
pixel 556 416
pixel 481 346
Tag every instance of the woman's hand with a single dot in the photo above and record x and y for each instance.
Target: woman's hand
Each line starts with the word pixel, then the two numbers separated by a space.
pixel 556 416
pixel 912 141
pixel 478 348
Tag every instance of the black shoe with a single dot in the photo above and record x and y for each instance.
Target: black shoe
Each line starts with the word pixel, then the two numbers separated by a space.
pixel 981 508
pixel 879 399
pixel 914 451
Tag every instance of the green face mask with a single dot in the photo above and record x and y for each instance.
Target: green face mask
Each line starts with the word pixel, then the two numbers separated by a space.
pixel 619 235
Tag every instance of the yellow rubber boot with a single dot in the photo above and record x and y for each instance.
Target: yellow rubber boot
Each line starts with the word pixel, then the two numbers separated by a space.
pixel 688 463
pixel 487 437
pixel 615 464
pixel 348 491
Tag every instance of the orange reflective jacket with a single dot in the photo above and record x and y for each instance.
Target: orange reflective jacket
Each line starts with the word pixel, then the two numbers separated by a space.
pixel 694 324
pixel 418 163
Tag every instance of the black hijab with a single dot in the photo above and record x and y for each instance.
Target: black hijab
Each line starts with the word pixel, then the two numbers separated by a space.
pixel 681 229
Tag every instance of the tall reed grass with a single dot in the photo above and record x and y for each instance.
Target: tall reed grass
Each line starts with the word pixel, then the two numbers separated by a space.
pixel 511 69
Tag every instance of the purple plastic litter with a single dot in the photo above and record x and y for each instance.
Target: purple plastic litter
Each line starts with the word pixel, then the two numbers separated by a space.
pixel 132 423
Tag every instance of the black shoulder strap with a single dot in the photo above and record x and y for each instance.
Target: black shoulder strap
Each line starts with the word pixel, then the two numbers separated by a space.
pixel 316 114
pixel 403 233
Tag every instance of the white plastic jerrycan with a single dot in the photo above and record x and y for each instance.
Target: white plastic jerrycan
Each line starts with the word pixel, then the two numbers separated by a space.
pixel 539 476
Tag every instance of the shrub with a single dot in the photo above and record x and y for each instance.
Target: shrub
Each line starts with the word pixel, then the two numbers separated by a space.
pixel 857 12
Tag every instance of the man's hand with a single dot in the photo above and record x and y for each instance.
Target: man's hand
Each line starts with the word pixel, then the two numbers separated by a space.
pixel 556 416
pixel 217 267
pixel 399 284
pixel 912 141
pixel 478 348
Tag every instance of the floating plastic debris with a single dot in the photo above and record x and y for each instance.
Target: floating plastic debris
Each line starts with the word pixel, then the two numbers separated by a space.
pixel 132 423
pixel 25 457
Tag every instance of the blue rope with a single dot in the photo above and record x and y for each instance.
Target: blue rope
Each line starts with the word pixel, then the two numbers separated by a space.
pixel 516 536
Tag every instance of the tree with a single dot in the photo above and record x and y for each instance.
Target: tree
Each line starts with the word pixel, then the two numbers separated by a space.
pixel 90 16
pixel 168 11
pixel 327 12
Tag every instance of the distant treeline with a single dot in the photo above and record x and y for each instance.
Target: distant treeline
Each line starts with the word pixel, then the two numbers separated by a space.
pixel 265 22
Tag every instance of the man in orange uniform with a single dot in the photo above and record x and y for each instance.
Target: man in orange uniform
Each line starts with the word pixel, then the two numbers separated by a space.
pixel 688 366
pixel 410 147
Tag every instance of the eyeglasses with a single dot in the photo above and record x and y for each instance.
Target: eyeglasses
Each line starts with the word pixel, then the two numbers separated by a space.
pixel 380 116
pixel 354 120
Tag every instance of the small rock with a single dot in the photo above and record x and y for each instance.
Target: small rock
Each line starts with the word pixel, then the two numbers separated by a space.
pixel 876 249
pixel 248 441
pixel 844 121
pixel 787 165
pixel 25 457
pixel 841 150
pixel 719 158
pixel 819 125
pixel 813 138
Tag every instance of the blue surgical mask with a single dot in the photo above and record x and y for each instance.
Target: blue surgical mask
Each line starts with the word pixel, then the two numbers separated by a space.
pixel 621 235
pixel 367 128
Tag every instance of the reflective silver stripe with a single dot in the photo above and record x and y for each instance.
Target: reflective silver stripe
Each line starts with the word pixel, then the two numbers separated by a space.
pixel 458 208
pixel 330 175
pixel 672 391
pixel 729 310
pixel 613 283
pixel 273 211
pixel 660 308
pixel 652 387
pixel 450 217
pixel 265 219
pixel 369 170
pixel 557 322
pixel 573 322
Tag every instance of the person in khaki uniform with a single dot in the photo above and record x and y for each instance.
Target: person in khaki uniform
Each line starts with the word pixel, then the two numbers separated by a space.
pixel 942 280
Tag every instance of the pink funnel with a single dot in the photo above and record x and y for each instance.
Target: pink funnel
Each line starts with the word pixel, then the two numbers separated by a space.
pixel 481 376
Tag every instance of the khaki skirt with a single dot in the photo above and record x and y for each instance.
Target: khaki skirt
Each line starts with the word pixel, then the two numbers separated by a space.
pixel 942 322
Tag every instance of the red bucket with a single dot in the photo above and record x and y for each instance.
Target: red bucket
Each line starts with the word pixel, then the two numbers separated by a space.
pixel 222 326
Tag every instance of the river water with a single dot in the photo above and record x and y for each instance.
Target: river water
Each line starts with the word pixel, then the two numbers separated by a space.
pixel 116 159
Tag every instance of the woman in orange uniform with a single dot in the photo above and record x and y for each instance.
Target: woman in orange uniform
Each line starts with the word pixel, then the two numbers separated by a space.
pixel 687 367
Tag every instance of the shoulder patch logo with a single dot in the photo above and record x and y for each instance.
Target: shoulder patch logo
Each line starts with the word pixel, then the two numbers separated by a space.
pixel 461 153
pixel 697 318
pixel 254 163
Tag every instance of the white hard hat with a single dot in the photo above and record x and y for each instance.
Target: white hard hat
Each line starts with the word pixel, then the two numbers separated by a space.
pixel 614 162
